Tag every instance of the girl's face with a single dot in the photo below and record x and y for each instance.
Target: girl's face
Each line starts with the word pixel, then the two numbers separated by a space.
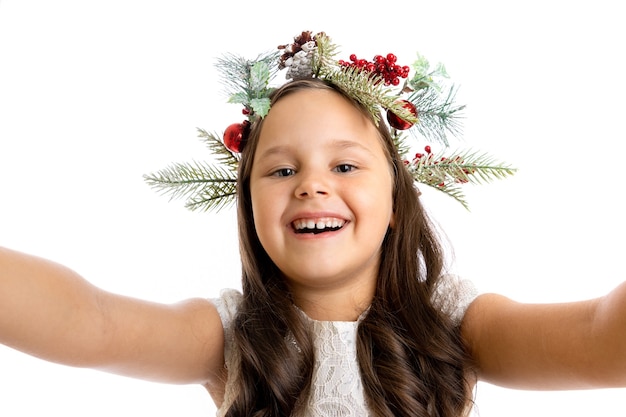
pixel 321 189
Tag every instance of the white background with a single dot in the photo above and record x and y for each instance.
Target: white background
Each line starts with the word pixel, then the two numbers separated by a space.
pixel 95 94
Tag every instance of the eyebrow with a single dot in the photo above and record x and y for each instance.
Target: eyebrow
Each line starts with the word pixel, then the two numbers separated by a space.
pixel 347 144
pixel 274 150
pixel 337 143
pixel 342 144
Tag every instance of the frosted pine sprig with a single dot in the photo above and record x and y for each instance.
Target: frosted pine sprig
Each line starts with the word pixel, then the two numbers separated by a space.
pixel 372 95
pixel 247 81
pixel 447 173
pixel 439 115
pixel 204 186
pixel 222 154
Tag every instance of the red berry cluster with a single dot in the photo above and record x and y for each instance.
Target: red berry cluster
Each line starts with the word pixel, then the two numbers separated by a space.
pixel 385 66
pixel 419 155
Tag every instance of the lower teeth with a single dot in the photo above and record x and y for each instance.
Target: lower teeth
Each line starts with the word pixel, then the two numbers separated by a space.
pixel 318 231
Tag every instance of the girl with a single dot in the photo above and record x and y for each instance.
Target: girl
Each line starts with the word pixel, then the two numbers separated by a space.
pixel 330 226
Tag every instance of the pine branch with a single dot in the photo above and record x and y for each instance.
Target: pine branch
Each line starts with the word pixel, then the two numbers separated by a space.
pixel 207 186
pixel 247 81
pixel 207 201
pixel 235 70
pixel 399 140
pixel 439 116
pixel 204 186
pixel 325 56
pixel 453 190
pixel 223 155
pixel 447 173
pixel 363 86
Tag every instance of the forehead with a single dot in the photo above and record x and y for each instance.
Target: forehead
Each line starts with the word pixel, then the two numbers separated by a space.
pixel 317 115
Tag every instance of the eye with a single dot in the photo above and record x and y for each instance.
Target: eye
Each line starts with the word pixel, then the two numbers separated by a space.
pixel 343 168
pixel 283 172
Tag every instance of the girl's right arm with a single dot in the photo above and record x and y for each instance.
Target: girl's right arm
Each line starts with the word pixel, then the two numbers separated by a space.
pixel 49 311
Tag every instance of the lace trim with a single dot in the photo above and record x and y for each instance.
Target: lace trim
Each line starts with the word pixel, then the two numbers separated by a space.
pixel 336 389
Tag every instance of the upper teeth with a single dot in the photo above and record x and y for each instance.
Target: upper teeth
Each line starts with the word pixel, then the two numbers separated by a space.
pixel 318 223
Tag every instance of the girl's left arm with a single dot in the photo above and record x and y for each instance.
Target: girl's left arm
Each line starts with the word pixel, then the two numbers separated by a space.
pixel 579 345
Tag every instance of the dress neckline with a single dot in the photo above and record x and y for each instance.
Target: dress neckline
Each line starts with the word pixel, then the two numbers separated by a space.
pixel 340 323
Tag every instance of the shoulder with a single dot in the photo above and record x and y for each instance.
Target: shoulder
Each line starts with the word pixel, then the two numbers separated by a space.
pixel 453 295
pixel 227 305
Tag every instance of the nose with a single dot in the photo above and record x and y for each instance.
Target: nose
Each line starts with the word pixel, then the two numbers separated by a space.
pixel 312 184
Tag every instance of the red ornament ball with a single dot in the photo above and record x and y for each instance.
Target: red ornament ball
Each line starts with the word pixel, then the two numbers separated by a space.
pixel 396 122
pixel 235 136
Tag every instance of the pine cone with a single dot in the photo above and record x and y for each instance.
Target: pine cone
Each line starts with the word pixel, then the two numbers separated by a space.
pixel 298 56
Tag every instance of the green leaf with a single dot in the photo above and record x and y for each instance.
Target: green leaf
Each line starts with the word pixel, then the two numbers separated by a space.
pixel 440 71
pixel 425 77
pixel 420 66
pixel 245 80
pixel 239 98
pixel 259 76
pixel 260 106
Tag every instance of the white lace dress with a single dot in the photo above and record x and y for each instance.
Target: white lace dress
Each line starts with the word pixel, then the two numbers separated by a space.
pixel 337 388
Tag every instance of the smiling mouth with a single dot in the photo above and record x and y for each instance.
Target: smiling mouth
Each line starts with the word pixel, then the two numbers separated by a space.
pixel 316 226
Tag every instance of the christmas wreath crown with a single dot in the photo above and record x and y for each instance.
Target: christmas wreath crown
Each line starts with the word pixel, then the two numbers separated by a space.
pixel 422 106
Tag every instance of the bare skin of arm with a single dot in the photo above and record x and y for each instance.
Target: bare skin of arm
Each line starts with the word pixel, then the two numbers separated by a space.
pixel 49 311
pixel 578 345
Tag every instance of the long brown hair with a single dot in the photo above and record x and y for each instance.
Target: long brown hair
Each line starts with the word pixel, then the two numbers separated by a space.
pixel 410 353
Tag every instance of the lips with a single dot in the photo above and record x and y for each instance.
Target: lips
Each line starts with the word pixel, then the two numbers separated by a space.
pixel 318 225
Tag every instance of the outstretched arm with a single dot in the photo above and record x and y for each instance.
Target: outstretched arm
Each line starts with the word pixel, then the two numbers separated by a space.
pixel 575 345
pixel 49 311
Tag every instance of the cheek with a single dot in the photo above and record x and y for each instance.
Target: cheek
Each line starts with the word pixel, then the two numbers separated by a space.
pixel 378 202
pixel 258 210
pixel 256 207
pixel 264 212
